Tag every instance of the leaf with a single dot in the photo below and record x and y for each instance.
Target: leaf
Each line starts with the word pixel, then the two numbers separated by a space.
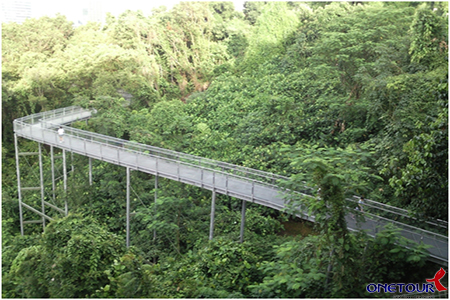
pixel 296 286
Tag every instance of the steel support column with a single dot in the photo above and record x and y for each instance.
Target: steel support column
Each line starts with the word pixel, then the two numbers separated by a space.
pixel 156 196
pixel 253 191
pixel 213 209
pixel 18 183
pixel 90 171
pixel 128 207
pixel 244 204
pixel 41 175
pixel 66 208
pixel 53 171
pixel 71 162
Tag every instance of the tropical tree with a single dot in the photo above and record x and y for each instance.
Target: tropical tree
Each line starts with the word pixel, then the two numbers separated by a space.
pixel 69 260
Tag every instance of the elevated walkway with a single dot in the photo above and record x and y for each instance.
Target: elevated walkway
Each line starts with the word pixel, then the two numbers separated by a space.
pixel 243 183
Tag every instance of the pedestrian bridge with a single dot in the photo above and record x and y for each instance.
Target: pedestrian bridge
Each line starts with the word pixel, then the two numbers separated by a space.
pixel 247 184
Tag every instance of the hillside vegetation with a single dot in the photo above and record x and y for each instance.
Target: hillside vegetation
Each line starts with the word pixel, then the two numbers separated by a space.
pixel 351 98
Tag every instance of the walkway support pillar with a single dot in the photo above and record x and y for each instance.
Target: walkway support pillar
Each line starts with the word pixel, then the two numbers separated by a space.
pixel 66 208
pixel 18 183
pixel 244 204
pixel 71 162
pixel 52 158
pixel 156 196
pixel 90 171
pixel 41 175
pixel 213 209
pixel 128 207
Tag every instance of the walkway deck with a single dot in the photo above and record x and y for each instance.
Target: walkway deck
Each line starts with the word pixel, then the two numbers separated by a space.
pixel 242 183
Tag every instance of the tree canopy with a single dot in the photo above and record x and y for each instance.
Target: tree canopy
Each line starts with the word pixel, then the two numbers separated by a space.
pixel 349 97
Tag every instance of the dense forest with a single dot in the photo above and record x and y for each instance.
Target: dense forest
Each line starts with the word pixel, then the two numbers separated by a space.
pixel 351 97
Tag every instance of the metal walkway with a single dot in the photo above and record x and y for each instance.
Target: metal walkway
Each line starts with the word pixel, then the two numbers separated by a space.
pixel 243 183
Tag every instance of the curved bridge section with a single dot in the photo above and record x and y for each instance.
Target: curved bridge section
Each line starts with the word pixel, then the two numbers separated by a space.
pixel 243 183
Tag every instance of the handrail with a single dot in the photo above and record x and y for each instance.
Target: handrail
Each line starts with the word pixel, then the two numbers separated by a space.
pixel 410 228
pixel 75 109
pixel 390 210
pixel 403 212
pixel 261 176
pixel 35 118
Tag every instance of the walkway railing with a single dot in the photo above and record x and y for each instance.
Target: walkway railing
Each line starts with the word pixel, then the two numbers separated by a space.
pixel 400 215
pixel 60 114
pixel 46 120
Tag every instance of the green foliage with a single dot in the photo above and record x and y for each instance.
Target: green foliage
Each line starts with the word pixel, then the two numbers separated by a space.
pixel 218 269
pixel 306 268
pixel 69 261
pixel 274 25
pixel 361 42
pixel 392 256
pixel 408 105
pixel 111 117
pixel 338 173
pixel 252 10
pixel 182 223
pixel 430 32
pixel 111 189
pixel 170 126
pixel 11 246
pixel 178 223
pixel 227 265
pixel 27 274
pixel 293 272
pixel 132 277
pixel 423 180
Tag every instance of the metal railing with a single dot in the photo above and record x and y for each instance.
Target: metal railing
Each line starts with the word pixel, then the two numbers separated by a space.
pixel 399 215
pixel 52 114
pixel 413 233
pixel 174 156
